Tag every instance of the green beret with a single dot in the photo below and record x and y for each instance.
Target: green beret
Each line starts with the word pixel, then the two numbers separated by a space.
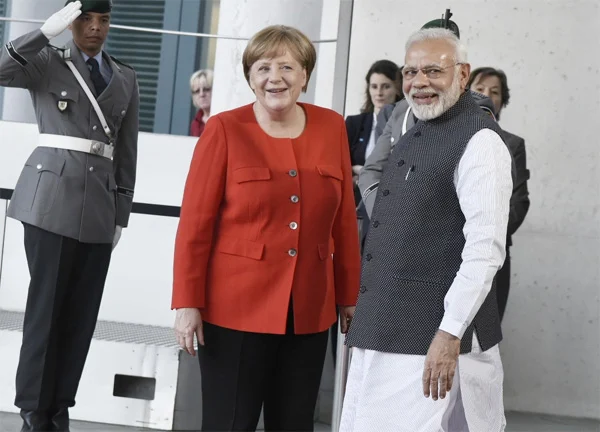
pixel 440 23
pixel 98 6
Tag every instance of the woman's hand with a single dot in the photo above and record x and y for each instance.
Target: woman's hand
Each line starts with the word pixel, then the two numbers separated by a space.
pixel 188 322
pixel 346 315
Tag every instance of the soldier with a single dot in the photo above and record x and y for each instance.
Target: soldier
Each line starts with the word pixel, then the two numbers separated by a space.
pixel 73 197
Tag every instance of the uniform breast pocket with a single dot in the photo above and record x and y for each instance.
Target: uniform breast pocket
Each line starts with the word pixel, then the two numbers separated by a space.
pixel 38 184
pixel 66 101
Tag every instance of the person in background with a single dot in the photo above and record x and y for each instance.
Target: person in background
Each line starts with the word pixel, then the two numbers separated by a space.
pixel 493 83
pixel 201 87
pixel 267 244
pixel 383 87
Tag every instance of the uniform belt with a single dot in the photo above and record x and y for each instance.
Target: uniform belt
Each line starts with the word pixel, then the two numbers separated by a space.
pixel 78 144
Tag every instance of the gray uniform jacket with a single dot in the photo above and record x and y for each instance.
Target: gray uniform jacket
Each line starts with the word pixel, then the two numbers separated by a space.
pixel 393 117
pixel 70 193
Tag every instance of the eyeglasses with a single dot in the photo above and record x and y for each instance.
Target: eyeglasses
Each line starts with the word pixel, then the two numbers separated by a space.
pixel 203 89
pixel 432 72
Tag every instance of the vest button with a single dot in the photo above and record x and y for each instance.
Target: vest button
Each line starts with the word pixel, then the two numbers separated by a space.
pixel 363 289
pixel 386 192
pixel 417 134
pixel 369 257
pixel 375 224
pixel 400 163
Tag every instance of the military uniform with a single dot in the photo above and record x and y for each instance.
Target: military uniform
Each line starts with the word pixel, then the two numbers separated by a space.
pixel 74 189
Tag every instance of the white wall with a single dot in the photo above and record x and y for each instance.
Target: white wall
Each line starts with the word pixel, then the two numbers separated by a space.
pixel 549 51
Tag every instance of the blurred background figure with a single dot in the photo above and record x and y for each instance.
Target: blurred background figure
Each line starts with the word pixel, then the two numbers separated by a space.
pixel 201 86
pixel 494 84
pixel 383 87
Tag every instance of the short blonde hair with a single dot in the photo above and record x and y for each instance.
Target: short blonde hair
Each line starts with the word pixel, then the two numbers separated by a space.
pixel 206 73
pixel 274 40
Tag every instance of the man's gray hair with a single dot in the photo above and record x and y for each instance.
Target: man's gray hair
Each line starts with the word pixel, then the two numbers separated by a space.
pixel 460 49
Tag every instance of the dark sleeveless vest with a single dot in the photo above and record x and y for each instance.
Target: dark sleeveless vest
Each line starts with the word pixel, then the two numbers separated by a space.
pixel 414 245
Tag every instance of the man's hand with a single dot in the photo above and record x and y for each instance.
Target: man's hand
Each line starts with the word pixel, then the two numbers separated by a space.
pixel 346 315
pixel 61 20
pixel 117 236
pixel 188 322
pixel 440 365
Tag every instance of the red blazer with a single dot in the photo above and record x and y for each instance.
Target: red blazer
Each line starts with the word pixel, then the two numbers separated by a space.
pixel 264 218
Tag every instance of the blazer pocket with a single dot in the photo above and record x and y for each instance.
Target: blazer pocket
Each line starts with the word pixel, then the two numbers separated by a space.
pixel 38 184
pixel 241 247
pixel 330 171
pixel 248 174
pixel 326 250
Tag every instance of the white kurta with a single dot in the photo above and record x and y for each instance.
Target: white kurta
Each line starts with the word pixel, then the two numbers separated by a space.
pixel 384 391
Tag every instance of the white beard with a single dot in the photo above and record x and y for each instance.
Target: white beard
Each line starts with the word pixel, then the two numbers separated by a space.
pixel 446 100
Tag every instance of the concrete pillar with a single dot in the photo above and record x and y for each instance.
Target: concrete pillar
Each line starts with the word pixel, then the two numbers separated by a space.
pixel 16 105
pixel 243 18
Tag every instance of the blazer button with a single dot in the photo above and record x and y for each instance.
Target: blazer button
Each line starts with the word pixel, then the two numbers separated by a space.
pixel 293 225
pixel 293 173
pixel 392 139
pixel 292 252
pixel 363 289
pixel 417 134
pixel 375 224
pixel 91 169
pixel 94 127
pixel 294 199
pixel 386 192
pixel 39 166
pixel 400 163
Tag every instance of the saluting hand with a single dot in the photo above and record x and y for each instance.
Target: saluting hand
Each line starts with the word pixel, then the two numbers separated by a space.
pixel 188 322
pixel 440 365
pixel 61 20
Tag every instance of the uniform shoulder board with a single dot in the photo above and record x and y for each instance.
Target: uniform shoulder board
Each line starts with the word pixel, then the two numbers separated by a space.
pixel 116 60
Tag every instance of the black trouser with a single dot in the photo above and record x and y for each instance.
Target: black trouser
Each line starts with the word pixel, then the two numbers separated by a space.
pixel 503 284
pixel 241 371
pixel 67 281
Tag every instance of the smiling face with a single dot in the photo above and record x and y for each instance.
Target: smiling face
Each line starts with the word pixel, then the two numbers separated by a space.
pixel 277 81
pixel 90 30
pixel 432 79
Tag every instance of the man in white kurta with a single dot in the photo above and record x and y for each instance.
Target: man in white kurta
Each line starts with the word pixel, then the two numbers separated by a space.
pixel 418 364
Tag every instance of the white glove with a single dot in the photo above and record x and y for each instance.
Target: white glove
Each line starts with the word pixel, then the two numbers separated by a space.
pixel 61 20
pixel 117 236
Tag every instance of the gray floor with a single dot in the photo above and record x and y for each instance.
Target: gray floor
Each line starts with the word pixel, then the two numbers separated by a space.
pixel 516 423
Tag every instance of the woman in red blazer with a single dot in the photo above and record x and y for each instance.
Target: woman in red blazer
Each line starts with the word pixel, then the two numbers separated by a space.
pixel 267 244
